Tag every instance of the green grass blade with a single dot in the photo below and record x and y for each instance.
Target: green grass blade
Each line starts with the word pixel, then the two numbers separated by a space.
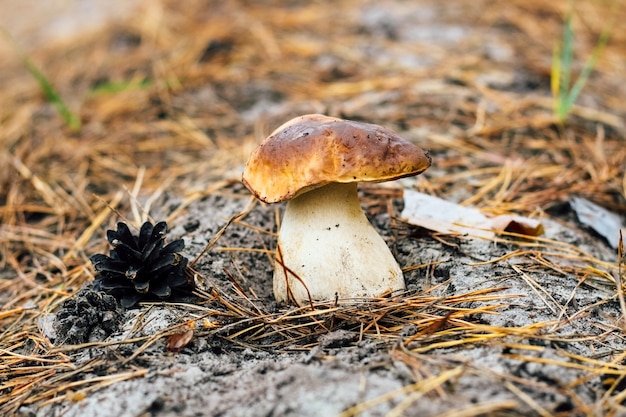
pixel 71 119
pixel 589 66
pixel 567 52
pixel 118 87
pixel 564 65
pixel 565 94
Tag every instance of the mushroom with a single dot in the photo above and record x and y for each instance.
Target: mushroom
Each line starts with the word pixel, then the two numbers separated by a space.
pixel 326 246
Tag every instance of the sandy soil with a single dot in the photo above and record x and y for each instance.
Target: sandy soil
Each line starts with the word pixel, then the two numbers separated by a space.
pixel 339 368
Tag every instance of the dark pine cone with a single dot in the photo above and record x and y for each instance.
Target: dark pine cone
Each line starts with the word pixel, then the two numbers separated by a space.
pixel 141 267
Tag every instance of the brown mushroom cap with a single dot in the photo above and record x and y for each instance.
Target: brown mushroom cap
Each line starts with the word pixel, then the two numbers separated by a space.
pixel 313 150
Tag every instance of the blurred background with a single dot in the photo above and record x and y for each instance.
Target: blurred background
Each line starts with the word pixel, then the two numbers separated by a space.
pixel 102 97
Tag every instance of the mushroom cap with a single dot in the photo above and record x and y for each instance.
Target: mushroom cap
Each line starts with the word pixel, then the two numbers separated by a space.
pixel 313 150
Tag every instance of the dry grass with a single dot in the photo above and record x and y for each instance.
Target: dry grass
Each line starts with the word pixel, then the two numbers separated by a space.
pixel 184 121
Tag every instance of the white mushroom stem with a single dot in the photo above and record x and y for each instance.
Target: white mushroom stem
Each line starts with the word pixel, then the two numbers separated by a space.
pixel 328 243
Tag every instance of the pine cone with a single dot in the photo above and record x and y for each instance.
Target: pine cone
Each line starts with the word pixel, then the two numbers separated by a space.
pixel 142 267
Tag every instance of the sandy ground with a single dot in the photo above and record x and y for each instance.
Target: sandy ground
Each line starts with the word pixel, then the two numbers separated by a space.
pixel 346 373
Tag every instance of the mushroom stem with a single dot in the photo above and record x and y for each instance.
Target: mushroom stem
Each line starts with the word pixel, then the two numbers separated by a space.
pixel 328 243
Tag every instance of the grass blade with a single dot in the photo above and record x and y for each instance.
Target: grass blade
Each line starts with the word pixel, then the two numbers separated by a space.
pixel 71 119
pixel 589 66
pixel 565 94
